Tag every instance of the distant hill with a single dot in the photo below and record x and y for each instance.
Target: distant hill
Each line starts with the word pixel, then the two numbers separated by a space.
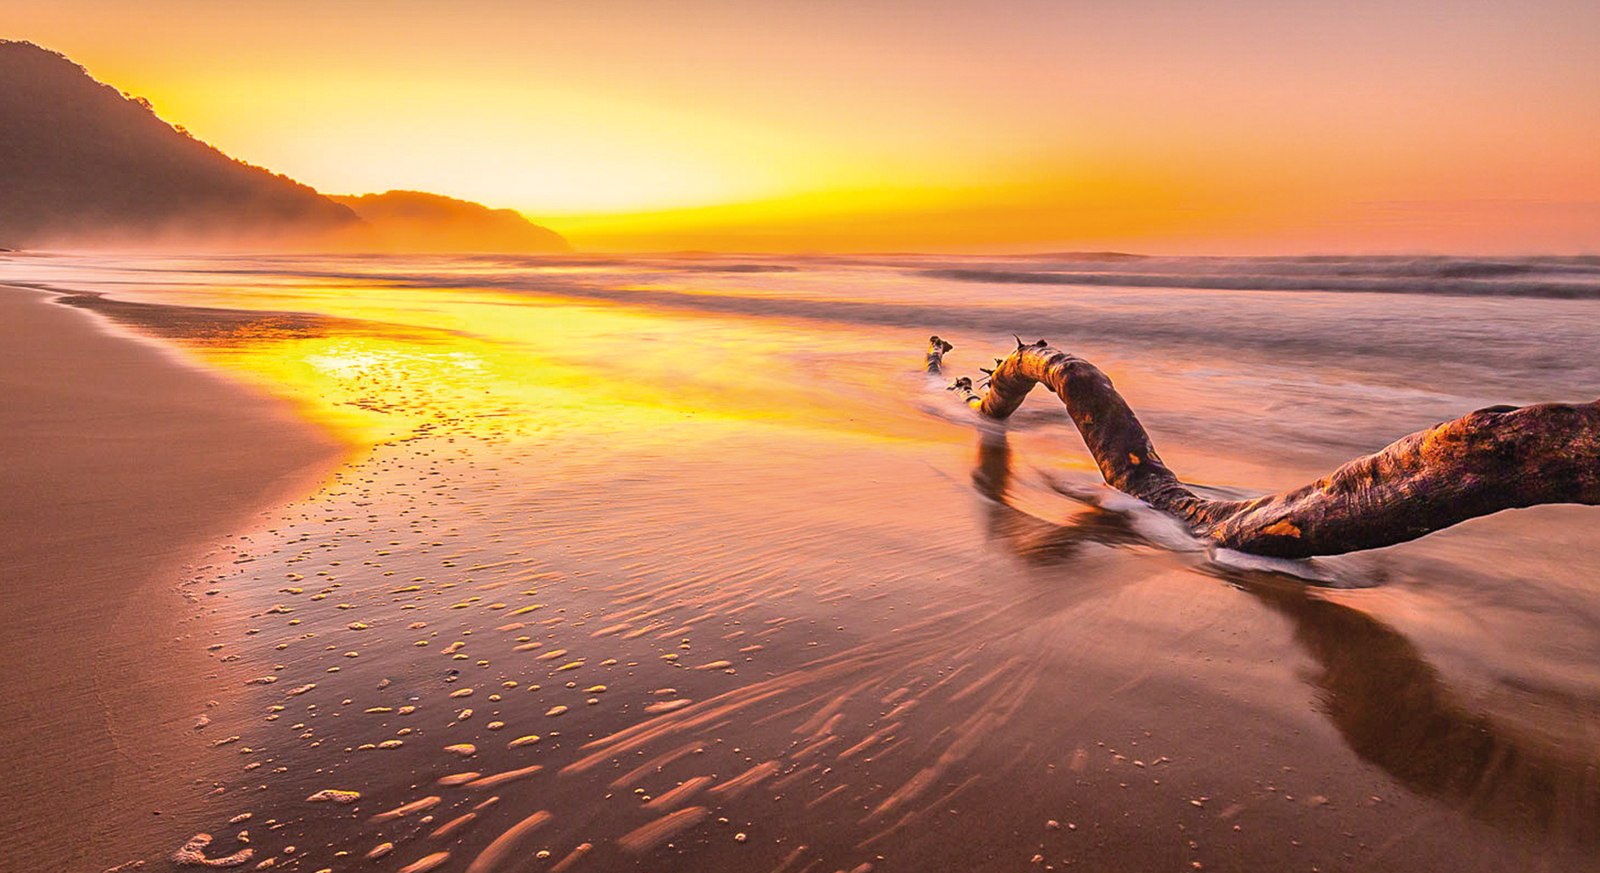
pixel 419 221
pixel 84 165
pixel 81 162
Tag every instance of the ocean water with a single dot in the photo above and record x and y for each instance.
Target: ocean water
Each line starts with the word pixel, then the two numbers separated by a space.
pixel 687 560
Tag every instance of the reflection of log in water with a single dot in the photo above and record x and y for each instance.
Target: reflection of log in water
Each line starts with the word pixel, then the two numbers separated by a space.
pixel 1395 711
pixel 1390 705
pixel 1493 459
pixel 1030 538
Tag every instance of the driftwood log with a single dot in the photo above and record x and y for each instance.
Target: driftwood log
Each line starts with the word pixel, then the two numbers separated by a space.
pixel 1502 457
pixel 1392 706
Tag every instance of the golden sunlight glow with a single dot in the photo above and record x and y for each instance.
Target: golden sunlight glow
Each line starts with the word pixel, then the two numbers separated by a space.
pixel 498 366
pixel 710 124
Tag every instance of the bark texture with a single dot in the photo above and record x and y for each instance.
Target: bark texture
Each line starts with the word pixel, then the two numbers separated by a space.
pixel 936 349
pixel 1498 458
pixel 1393 708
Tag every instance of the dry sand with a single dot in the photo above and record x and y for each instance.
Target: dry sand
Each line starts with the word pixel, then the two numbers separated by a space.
pixel 645 587
pixel 119 462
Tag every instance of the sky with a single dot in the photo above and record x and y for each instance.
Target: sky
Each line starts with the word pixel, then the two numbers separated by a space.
pixel 1178 126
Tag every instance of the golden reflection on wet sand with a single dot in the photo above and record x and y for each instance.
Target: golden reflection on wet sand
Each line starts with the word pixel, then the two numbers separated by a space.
pixel 610 587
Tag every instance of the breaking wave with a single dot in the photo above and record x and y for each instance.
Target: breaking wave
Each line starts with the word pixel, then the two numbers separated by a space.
pixel 1572 278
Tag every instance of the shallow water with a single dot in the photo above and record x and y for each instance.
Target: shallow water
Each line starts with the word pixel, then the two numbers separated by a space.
pixel 691 565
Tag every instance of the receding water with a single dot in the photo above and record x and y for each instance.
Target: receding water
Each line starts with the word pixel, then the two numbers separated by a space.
pixel 683 564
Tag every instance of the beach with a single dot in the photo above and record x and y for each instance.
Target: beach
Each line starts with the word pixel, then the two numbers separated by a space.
pixel 683 563
pixel 121 463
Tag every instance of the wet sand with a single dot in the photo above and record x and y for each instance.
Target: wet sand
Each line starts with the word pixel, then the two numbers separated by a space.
pixel 120 464
pixel 653 569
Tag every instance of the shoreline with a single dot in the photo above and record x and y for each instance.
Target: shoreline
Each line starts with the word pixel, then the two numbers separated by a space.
pixel 753 583
pixel 134 463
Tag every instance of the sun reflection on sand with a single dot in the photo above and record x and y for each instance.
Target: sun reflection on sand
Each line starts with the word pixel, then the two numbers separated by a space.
pixel 497 364
pixel 699 578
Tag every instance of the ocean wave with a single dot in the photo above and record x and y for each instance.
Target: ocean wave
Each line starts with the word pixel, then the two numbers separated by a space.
pixel 1457 280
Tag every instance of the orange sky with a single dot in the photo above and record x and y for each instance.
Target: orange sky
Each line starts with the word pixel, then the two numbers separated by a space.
pixel 1155 125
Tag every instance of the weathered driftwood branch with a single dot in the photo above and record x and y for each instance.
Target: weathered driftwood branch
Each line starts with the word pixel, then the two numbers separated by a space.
pixel 1392 706
pixel 1498 458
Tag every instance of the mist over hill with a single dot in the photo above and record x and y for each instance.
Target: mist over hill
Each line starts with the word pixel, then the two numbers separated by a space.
pixel 81 162
pixel 85 165
pixel 417 220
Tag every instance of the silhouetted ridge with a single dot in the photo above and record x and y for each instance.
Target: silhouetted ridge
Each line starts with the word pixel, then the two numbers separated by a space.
pixel 82 163
pixel 419 221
